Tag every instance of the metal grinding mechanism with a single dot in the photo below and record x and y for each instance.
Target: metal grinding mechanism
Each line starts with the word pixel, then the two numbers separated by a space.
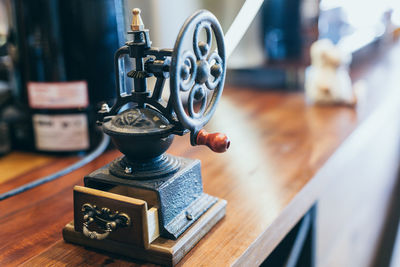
pixel 148 204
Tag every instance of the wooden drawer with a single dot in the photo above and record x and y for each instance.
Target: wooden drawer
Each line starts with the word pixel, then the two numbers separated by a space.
pixel 143 227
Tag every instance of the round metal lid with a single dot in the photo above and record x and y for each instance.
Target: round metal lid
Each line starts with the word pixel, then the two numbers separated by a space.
pixel 137 121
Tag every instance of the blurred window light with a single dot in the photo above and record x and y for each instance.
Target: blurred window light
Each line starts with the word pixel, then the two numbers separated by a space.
pixel 354 23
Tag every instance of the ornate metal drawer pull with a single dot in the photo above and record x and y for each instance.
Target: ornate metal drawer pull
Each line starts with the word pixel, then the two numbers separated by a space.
pixel 104 219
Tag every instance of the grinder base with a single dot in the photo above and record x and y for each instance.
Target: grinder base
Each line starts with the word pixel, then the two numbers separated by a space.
pixel 179 197
pixel 161 250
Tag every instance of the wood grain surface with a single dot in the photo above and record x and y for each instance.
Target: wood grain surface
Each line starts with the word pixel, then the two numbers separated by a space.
pixel 17 163
pixel 270 176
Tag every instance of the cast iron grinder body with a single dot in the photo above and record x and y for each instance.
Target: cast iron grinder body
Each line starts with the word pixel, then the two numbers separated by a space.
pixel 145 130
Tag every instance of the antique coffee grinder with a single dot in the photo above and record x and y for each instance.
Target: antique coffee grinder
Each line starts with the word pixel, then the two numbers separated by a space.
pixel 148 204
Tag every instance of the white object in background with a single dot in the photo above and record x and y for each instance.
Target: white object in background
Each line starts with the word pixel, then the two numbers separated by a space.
pixel 327 80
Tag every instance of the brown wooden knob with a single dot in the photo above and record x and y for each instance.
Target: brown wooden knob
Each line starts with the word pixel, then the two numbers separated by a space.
pixel 217 142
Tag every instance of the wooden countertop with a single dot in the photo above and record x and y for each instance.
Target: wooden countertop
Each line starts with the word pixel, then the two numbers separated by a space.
pixel 272 174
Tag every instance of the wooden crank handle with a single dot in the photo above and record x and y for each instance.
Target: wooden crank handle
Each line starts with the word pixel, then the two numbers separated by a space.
pixel 217 142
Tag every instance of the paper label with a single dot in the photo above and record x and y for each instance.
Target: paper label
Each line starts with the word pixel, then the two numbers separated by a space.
pixel 58 95
pixel 61 132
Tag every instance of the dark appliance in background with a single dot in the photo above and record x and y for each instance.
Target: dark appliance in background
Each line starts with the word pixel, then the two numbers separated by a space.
pixel 63 50
pixel 289 27
pixel 281 24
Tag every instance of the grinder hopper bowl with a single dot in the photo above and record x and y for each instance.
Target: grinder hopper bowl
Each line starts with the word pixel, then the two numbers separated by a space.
pixel 148 204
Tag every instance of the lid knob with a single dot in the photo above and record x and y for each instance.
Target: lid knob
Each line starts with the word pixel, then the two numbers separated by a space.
pixel 137 23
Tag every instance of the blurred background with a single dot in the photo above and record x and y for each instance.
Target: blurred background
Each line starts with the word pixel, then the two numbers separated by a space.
pixel 56 57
